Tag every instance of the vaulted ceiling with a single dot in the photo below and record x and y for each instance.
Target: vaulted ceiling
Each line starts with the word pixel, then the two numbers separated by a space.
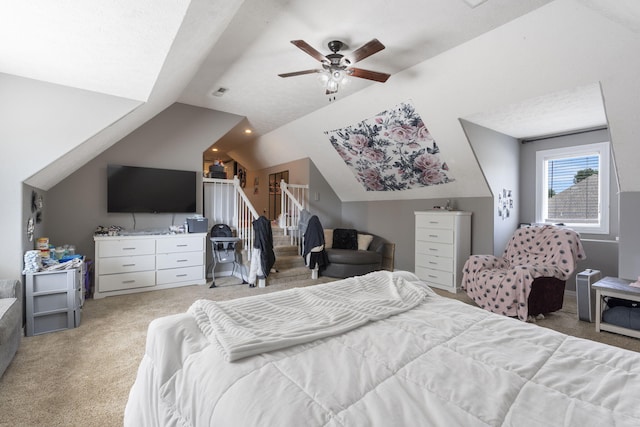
pixel 145 55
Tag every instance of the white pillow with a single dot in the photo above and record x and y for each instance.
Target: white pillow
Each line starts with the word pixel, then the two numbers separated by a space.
pixel 363 241
pixel 328 238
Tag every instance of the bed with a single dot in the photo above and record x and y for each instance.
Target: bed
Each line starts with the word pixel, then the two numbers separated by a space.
pixel 398 355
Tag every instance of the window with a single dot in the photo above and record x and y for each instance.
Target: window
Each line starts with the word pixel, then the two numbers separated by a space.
pixel 573 187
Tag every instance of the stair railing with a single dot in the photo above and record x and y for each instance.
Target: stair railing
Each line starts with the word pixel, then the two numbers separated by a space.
pixel 294 199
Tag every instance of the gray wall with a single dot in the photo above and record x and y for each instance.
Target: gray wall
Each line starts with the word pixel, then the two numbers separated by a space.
pixel 395 221
pixel 28 212
pixel 629 263
pixel 499 158
pixel 174 139
pixel 323 201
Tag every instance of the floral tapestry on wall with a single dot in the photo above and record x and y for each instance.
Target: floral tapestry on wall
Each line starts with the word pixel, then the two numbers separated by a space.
pixel 391 151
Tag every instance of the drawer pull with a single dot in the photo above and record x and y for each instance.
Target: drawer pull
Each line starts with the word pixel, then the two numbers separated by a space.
pixel 181 275
pixel 129 249
pixel 182 260
pixel 433 263
pixel 128 265
pixel 432 276
pixel 128 281
pixel 433 249
pixel 434 222
pixel 182 246
pixel 433 235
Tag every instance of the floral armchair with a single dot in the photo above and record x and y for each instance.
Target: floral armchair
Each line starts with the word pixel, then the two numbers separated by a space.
pixel 535 266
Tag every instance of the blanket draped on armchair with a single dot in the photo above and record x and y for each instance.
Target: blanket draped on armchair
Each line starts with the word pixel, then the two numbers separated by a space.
pixel 502 285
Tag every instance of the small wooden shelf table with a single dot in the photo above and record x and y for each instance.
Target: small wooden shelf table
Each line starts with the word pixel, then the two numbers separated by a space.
pixel 618 288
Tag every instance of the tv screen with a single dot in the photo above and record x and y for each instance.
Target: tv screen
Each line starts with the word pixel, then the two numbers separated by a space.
pixel 139 189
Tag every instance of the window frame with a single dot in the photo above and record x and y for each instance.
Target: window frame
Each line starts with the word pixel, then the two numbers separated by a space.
pixel 601 149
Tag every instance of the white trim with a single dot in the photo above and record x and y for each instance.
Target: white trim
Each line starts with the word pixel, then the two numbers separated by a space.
pixel 601 149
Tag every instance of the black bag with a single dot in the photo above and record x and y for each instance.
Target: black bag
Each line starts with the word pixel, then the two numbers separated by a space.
pixel 619 302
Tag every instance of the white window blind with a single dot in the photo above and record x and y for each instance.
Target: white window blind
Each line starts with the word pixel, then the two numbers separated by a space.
pixel 572 187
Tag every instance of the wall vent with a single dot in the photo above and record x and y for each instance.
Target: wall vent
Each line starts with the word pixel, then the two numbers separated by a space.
pixel 221 91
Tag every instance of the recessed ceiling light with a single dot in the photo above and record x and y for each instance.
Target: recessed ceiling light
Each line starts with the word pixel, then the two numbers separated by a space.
pixel 248 131
pixel 214 149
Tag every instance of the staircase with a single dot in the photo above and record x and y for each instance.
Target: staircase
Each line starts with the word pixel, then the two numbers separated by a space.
pixel 289 263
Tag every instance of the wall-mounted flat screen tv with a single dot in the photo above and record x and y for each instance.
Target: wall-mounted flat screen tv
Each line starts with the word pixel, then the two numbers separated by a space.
pixel 149 190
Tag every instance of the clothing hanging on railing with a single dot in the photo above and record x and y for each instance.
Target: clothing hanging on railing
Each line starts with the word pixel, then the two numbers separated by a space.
pixel 313 251
pixel 263 257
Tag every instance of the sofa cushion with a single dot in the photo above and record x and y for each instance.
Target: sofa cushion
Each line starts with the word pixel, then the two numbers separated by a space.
pixel 9 318
pixel 328 238
pixel 345 238
pixel 363 241
pixel 350 256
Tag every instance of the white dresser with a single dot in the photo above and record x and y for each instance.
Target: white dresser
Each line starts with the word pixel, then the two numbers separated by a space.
pixel 127 264
pixel 443 245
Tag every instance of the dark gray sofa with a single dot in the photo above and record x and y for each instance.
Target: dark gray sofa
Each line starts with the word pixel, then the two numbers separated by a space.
pixel 10 321
pixel 353 262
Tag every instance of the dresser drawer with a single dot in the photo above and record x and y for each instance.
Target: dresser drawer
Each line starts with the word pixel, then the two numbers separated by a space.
pixel 127 247
pixel 179 244
pixel 437 235
pixel 116 282
pixel 435 221
pixel 437 277
pixel 435 262
pixel 127 264
pixel 434 249
pixel 174 275
pixel 180 259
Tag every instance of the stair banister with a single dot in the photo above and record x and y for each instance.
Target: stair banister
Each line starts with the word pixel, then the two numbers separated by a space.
pixel 292 202
pixel 228 204
pixel 246 215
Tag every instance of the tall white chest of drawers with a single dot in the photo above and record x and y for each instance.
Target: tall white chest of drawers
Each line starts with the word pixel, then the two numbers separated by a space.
pixel 127 264
pixel 443 245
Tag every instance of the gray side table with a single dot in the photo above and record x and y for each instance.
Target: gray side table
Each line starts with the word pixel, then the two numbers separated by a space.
pixel 618 288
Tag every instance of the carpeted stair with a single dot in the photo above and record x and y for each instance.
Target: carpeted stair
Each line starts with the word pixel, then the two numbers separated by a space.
pixel 289 264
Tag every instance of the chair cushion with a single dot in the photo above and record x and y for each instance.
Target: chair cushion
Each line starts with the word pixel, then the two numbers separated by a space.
pixel 350 256
pixel 363 241
pixel 345 238
pixel 328 238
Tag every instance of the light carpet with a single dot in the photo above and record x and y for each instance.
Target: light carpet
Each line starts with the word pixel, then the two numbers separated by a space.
pixel 82 376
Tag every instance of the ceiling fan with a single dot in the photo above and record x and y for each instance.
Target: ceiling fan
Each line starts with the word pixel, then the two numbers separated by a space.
pixel 336 68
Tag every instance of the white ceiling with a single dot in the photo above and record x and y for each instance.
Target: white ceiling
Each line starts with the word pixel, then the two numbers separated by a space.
pixel 125 47
pixel 562 112
pixel 116 47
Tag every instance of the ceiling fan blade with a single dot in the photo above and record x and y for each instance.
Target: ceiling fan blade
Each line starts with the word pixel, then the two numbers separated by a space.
pixel 367 50
pixel 369 75
pixel 299 73
pixel 306 47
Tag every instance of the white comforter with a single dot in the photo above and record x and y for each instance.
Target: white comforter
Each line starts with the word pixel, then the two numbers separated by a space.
pixel 442 363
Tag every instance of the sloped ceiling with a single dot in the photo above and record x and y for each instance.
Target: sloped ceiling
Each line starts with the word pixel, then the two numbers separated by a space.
pixel 115 48
pixel 157 53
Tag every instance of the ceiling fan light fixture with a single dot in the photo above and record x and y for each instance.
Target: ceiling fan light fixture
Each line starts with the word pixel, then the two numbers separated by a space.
pixel 332 86
pixel 336 68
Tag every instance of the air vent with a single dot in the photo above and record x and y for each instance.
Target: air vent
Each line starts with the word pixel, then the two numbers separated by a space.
pixel 221 91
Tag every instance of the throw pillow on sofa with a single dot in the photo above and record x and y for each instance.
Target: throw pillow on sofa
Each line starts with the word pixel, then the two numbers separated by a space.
pixel 328 238
pixel 364 240
pixel 345 238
